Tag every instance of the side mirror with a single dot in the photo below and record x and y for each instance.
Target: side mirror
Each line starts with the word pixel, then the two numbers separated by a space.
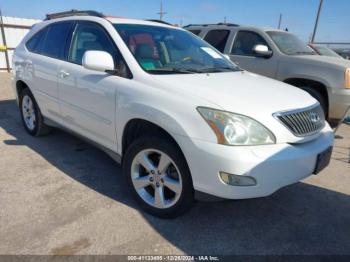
pixel 262 51
pixel 98 61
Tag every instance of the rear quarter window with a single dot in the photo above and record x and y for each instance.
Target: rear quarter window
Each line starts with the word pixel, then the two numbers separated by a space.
pixel 35 43
pixel 217 38
pixel 194 31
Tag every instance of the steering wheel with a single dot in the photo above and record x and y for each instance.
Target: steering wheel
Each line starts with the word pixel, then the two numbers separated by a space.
pixel 189 59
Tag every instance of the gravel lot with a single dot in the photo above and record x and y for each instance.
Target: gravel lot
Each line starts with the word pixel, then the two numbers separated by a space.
pixel 60 195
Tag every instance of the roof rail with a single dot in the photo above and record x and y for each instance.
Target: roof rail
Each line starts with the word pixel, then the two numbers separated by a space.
pixel 158 21
pixel 73 12
pixel 227 24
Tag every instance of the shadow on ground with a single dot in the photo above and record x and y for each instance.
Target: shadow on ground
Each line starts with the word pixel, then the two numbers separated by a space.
pixel 299 219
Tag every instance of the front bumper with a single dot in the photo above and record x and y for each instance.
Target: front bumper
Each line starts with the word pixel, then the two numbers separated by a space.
pixel 339 103
pixel 273 166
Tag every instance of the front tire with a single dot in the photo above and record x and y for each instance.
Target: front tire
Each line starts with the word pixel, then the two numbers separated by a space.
pixel 31 116
pixel 318 96
pixel 158 177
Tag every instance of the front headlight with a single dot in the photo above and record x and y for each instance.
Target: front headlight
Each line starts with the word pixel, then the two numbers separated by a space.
pixel 347 78
pixel 236 130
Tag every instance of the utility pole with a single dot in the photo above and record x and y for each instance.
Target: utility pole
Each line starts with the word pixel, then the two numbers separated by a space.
pixel 280 22
pixel 316 22
pixel 225 20
pixel 161 12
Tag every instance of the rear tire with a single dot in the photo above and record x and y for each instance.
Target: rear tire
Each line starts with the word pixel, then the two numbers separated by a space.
pixel 158 177
pixel 32 118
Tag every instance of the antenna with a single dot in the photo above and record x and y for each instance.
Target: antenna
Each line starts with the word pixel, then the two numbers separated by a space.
pixel 161 12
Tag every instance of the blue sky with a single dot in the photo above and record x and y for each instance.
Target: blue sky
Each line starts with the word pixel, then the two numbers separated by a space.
pixel 298 15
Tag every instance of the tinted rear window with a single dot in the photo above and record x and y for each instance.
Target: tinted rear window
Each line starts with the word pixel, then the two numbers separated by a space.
pixel 56 39
pixel 36 41
pixel 217 38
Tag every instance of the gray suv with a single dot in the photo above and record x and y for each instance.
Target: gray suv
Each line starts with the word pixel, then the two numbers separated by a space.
pixel 282 56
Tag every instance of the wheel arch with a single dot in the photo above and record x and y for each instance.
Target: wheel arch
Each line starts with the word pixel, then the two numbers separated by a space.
pixel 316 85
pixel 20 86
pixel 138 127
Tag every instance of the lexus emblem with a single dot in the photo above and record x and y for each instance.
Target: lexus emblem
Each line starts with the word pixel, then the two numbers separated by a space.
pixel 314 117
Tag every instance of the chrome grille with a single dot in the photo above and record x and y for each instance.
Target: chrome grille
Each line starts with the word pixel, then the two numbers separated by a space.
pixel 303 122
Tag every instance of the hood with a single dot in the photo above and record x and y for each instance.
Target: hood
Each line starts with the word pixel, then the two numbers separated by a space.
pixel 311 59
pixel 243 93
pixel 240 92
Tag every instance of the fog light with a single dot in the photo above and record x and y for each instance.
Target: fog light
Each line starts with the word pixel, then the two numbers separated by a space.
pixel 235 180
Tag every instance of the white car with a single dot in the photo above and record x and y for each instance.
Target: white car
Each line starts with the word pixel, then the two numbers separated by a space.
pixel 181 118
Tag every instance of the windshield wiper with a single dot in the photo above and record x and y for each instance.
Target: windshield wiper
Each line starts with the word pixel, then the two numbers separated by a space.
pixel 166 70
pixel 304 53
pixel 218 69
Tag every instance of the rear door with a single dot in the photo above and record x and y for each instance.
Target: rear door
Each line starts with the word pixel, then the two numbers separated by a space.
pixel 46 49
pixel 242 54
pixel 218 38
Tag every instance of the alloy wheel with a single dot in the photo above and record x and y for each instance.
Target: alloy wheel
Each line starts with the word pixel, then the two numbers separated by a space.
pixel 156 178
pixel 28 111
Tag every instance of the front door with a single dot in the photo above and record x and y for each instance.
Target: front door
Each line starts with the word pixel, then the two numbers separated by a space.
pixel 242 54
pixel 88 97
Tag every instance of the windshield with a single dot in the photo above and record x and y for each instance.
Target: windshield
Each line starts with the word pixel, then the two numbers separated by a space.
pixel 163 50
pixel 322 50
pixel 289 44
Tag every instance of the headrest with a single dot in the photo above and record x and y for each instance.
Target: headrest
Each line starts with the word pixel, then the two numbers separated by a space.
pixel 144 51
pixel 92 45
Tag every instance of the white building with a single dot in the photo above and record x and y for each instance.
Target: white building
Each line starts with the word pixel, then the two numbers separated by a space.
pixel 14 29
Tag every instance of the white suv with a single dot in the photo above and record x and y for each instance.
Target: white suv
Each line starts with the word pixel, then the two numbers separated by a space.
pixel 181 118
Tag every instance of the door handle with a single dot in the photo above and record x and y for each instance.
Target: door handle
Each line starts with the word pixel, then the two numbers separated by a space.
pixel 64 74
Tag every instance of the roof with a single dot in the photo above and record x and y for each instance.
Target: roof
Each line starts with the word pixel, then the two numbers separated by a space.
pixel 210 25
pixel 226 25
pixel 115 20
pixel 120 20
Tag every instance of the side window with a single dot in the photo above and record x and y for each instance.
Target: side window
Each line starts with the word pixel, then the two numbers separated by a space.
pixel 56 39
pixel 89 36
pixel 151 53
pixel 196 32
pixel 35 43
pixel 245 42
pixel 217 38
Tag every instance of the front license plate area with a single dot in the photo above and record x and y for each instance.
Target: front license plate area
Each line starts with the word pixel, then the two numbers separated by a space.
pixel 323 160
